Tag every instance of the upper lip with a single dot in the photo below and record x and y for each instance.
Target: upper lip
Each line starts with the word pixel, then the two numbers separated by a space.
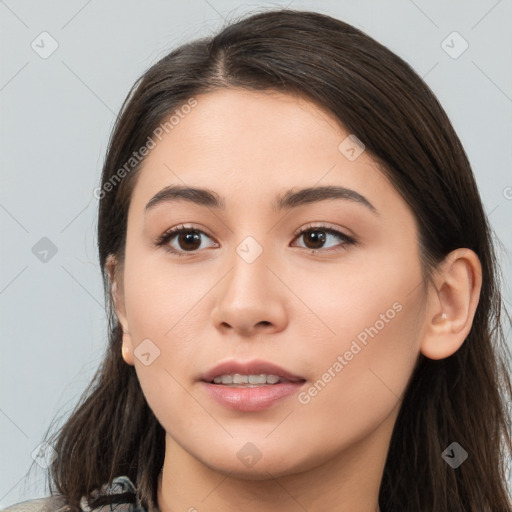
pixel 253 367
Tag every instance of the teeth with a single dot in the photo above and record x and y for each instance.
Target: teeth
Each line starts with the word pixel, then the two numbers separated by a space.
pixel 240 379
pixel 249 380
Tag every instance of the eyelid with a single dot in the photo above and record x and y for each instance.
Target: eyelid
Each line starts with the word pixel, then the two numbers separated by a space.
pixel 322 225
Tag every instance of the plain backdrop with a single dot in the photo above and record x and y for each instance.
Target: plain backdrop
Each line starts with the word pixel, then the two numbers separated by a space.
pixel 66 67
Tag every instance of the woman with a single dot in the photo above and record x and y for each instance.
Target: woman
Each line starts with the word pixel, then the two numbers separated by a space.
pixel 305 305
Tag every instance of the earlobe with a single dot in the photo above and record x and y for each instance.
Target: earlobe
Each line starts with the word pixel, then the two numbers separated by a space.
pixel 452 302
pixel 116 291
pixel 127 352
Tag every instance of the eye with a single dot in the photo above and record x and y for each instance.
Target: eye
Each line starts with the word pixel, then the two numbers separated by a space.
pixel 316 236
pixel 187 239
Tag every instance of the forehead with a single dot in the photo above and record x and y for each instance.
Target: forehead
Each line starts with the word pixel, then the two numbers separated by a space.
pixel 255 144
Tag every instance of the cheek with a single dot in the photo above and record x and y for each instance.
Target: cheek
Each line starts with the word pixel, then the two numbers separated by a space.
pixel 167 306
pixel 358 384
pixel 161 298
pixel 363 341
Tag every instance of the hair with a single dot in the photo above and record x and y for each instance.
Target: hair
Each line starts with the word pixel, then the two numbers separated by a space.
pixel 378 97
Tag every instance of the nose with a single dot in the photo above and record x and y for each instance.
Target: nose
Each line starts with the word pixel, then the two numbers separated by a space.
pixel 251 299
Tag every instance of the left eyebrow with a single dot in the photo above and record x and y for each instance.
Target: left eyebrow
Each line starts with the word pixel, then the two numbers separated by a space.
pixel 290 199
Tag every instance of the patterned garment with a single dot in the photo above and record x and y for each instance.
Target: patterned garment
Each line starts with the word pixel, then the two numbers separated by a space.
pixel 120 485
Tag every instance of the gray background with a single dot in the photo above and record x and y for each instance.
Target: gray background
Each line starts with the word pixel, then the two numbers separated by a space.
pixel 56 116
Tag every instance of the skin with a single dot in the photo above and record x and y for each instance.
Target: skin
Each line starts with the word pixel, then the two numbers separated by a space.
pixel 291 306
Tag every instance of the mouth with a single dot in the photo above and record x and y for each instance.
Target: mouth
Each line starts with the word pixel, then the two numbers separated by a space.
pixel 250 386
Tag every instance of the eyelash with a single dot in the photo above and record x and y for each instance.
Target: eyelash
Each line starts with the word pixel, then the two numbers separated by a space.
pixel 162 240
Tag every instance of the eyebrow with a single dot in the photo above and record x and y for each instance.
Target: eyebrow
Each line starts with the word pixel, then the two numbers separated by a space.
pixel 290 199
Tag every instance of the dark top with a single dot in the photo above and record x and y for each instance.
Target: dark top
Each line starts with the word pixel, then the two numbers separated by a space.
pixel 57 503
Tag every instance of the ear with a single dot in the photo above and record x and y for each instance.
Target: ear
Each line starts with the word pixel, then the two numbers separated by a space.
pixel 452 301
pixel 115 272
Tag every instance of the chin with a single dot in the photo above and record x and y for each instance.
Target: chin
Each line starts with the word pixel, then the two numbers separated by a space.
pixel 278 465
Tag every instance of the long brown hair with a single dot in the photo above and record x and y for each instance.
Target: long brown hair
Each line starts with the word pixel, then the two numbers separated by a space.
pixel 380 99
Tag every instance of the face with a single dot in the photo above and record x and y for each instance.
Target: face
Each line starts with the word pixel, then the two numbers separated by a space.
pixel 340 305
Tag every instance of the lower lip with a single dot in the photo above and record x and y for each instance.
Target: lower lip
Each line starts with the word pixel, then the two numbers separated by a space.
pixel 251 399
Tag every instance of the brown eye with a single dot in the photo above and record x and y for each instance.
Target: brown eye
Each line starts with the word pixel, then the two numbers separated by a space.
pixel 181 239
pixel 315 237
pixel 188 241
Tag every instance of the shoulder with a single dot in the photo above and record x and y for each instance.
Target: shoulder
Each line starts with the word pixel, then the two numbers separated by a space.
pixel 57 503
pixel 48 504
pixel 117 494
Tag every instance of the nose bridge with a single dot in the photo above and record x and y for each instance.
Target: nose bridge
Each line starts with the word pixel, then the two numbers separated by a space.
pixel 252 239
pixel 250 293
pixel 250 260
